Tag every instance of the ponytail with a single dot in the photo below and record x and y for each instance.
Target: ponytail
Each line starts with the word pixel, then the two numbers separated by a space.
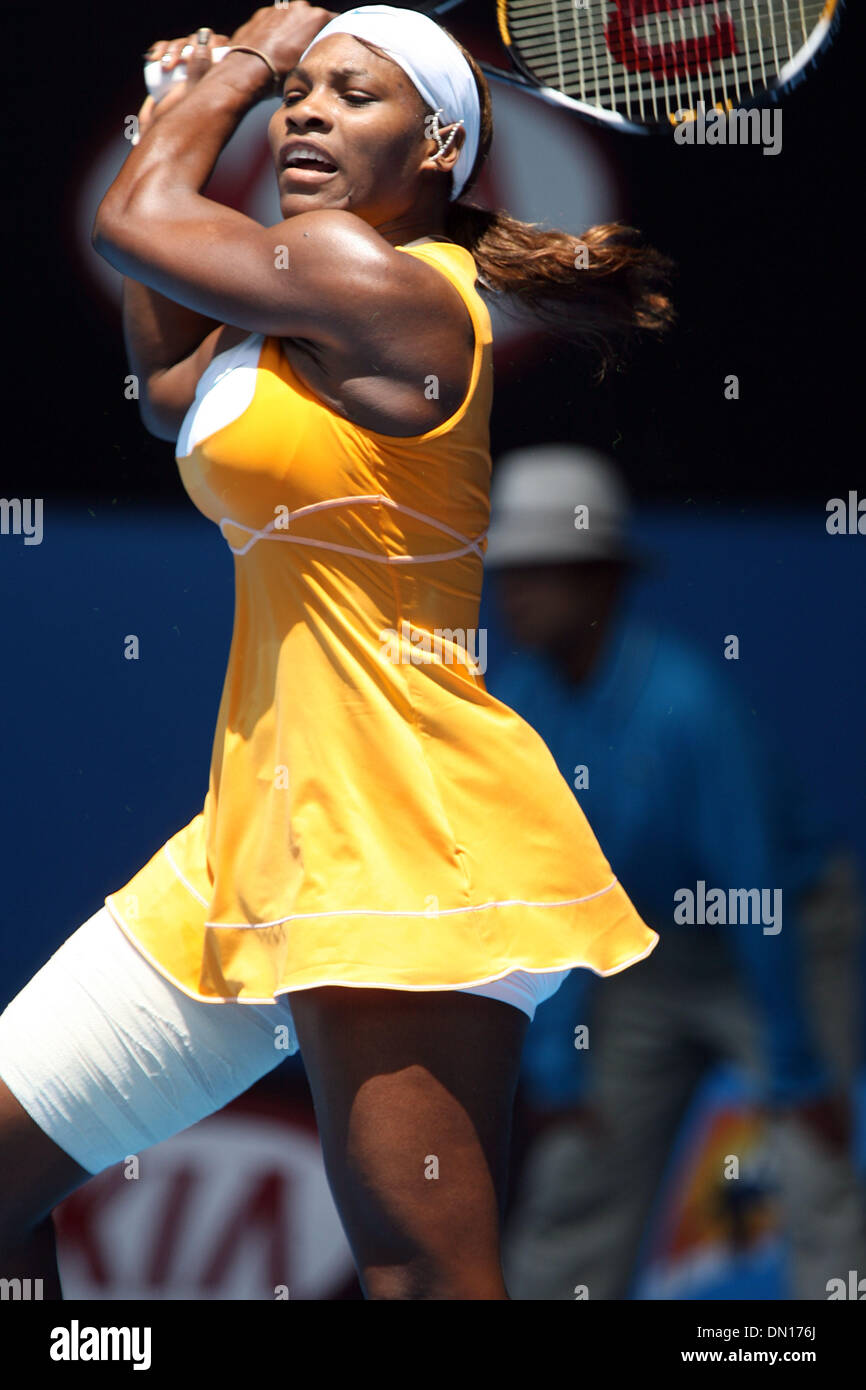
pixel 602 290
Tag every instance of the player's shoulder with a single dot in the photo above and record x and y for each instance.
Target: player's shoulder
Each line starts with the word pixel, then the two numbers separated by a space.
pixel 331 224
pixel 351 252
pixel 342 235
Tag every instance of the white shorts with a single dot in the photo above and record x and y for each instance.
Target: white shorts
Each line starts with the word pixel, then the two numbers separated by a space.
pixel 108 1057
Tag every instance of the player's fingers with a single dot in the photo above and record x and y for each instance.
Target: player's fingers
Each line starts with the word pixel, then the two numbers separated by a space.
pixel 204 41
pixel 170 50
pixel 156 50
pixel 195 52
pixel 199 61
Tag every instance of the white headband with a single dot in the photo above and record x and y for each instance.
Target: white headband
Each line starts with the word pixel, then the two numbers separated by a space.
pixel 432 62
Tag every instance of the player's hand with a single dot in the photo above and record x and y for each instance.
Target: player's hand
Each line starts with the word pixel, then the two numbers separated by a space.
pixel 168 51
pixel 283 32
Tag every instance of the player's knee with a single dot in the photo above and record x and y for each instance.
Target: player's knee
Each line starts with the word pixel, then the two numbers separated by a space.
pixel 428 1250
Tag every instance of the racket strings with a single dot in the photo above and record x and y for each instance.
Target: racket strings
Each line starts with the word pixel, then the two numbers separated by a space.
pixel 648 59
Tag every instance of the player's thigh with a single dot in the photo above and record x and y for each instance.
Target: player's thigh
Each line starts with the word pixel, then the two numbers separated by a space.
pixel 413 1093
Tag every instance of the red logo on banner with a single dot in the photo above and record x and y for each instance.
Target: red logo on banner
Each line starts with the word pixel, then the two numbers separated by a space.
pixel 680 57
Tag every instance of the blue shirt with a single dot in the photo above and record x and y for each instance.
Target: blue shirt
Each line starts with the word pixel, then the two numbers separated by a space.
pixel 682 787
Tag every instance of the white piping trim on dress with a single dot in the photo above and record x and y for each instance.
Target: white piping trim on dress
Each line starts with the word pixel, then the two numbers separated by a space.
pixel 204 902
pixel 370 984
pixel 379 911
pixel 268 533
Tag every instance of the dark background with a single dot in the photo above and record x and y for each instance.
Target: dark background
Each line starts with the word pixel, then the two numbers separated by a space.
pixel 765 247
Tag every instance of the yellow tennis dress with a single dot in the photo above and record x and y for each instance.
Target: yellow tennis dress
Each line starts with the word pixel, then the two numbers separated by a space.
pixel 374 816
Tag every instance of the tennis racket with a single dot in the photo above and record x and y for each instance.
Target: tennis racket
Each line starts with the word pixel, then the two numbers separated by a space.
pixel 644 65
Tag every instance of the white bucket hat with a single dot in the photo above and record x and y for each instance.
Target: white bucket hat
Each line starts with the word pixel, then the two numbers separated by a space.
pixel 558 502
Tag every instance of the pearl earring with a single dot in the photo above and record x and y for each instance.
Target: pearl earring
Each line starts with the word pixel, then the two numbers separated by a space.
pixel 444 145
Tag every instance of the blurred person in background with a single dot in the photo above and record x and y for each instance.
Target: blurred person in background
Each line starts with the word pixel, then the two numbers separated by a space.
pixel 680 787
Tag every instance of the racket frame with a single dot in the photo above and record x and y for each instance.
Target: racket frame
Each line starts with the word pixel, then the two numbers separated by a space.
pixel 794 72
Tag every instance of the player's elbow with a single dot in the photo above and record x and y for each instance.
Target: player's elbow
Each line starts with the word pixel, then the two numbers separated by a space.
pixel 160 429
pixel 109 234
pixel 100 235
pixel 160 424
pixel 161 413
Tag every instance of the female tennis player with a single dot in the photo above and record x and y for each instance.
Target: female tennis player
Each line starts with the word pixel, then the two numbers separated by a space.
pixel 388 869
